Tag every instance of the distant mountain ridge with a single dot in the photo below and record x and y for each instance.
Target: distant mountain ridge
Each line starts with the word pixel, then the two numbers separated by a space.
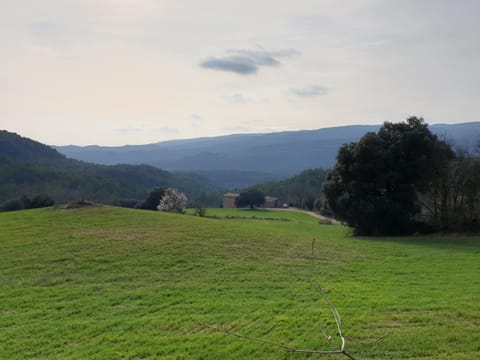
pixel 276 154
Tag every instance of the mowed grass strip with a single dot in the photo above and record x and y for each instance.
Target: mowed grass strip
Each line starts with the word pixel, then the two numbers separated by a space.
pixel 111 283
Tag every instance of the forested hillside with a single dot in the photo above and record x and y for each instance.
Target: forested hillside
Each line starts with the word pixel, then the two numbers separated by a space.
pixel 303 190
pixel 29 168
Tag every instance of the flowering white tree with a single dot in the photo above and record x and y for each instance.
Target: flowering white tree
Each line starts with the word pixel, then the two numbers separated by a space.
pixel 173 201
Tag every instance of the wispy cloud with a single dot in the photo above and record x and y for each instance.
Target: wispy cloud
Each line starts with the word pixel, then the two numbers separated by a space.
pixel 195 120
pixel 237 98
pixel 129 130
pixel 236 129
pixel 161 130
pixel 43 28
pixel 310 91
pixel 195 117
pixel 168 130
pixel 48 34
pixel 246 62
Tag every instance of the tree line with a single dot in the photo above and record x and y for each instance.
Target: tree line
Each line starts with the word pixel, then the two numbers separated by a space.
pixel 303 190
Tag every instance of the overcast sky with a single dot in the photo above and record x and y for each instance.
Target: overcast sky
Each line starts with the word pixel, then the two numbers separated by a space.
pixel 114 72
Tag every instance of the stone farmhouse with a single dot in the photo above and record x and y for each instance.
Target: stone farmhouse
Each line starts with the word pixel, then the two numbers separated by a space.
pixel 229 200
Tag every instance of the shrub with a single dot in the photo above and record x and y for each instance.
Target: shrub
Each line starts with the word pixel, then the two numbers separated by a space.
pixel 200 211
pixel 12 205
pixel 40 201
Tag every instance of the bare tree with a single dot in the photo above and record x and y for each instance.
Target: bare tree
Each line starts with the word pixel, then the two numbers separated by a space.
pixel 451 201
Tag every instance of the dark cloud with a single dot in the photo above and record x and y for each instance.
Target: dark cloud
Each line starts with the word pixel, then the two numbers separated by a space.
pixel 246 62
pixel 236 64
pixel 310 91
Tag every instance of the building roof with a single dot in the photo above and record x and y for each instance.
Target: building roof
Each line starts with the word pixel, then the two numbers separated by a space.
pixel 271 198
pixel 231 195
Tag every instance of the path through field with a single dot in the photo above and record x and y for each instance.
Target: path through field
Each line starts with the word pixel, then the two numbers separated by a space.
pixel 311 213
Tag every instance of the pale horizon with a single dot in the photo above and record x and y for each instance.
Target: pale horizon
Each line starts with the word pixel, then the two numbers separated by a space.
pixel 222 135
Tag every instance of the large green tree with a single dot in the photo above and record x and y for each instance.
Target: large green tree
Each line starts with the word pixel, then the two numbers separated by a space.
pixel 251 198
pixel 153 199
pixel 373 186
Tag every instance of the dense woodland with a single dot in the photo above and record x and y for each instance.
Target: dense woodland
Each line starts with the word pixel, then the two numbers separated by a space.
pixel 29 168
pixel 404 179
pixel 303 190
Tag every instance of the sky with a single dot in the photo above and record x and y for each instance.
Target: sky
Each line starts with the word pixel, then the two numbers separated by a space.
pixel 114 72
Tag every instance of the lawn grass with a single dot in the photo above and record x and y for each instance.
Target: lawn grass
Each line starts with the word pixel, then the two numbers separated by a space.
pixel 111 283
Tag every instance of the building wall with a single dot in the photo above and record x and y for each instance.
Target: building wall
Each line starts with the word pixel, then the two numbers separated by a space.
pixel 229 202
pixel 271 202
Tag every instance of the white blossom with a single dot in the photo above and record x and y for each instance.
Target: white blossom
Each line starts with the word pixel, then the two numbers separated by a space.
pixel 173 201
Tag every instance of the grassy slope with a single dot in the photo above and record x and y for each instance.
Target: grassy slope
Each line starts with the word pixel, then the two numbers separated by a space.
pixel 110 283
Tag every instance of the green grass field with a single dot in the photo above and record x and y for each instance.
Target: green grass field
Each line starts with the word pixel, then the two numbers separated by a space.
pixel 111 283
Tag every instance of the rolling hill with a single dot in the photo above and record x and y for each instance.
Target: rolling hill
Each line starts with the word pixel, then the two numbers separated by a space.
pixel 111 283
pixel 28 167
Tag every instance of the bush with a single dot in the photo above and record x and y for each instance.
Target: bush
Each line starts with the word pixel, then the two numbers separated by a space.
pixel 12 205
pixel 39 201
pixel 79 204
pixel 200 211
